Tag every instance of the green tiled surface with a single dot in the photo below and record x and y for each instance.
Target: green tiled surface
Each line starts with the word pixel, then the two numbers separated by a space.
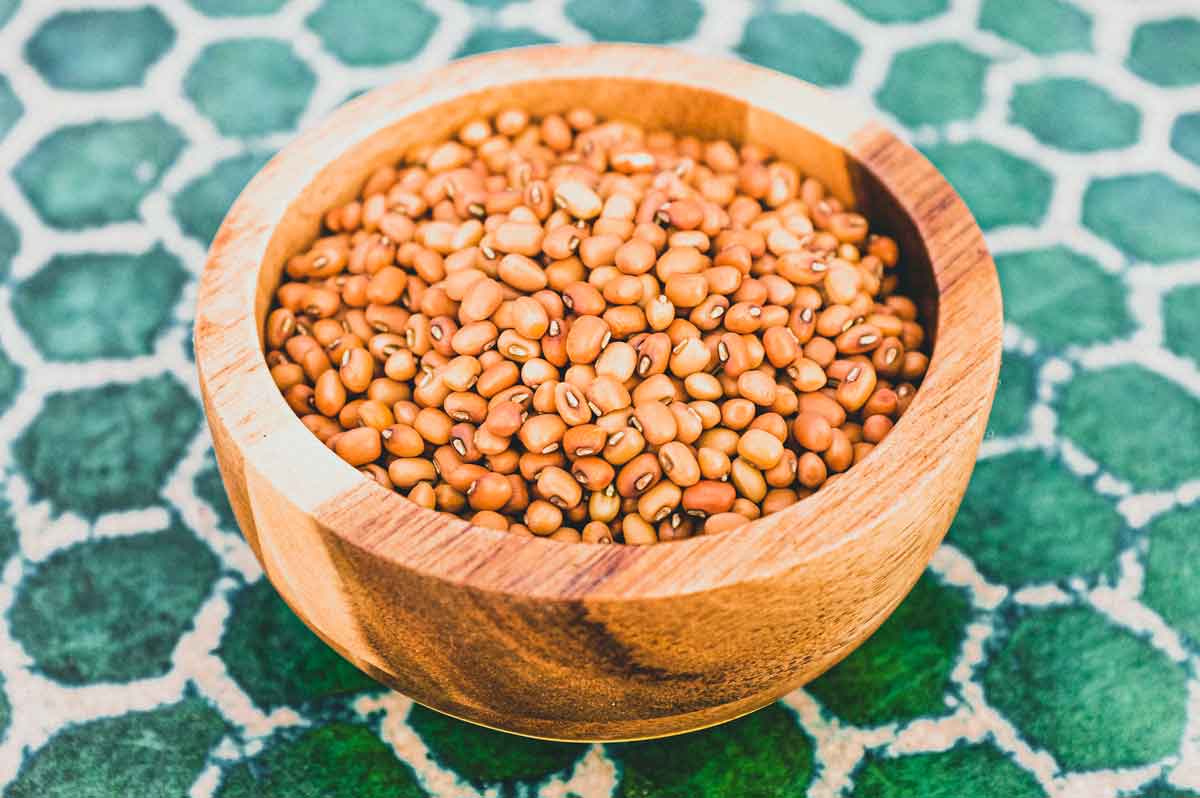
pixel 1052 649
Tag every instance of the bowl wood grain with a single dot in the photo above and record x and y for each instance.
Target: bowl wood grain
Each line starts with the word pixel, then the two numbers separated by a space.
pixel 590 642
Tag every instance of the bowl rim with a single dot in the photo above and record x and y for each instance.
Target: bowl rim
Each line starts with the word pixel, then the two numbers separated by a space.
pixel 957 390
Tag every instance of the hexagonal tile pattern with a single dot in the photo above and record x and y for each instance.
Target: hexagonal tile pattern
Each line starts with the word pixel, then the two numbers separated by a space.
pixel 338 760
pixel 1181 322
pixel 94 50
pixel 237 8
pixel 487 758
pixel 889 11
pixel 644 21
pixel 130 128
pixel 97 173
pixel 8 528
pixel 827 59
pixel 1185 136
pixel 80 307
pixel 1027 519
pixel 1171 588
pixel 934 84
pixel 1066 678
pixel 999 188
pixel 1074 114
pixel 112 610
pixel 202 203
pixel 10 107
pixel 765 753
pixel 1061 297
pixel 1167 52
pixel 259 627
pixel 486 40
pixel 372 32
pixel 160 752
pixel 903 671
pixel 1162 229
pixel 961 771
pixel 110 448
pixel 250 87
pixel 1041 26
pixel 1151 450
pixel 209 488
pixel 10 244
pixel 11 378
pixel 7 9
pixel 1163 790
pixel 5 709
pixel 1014 395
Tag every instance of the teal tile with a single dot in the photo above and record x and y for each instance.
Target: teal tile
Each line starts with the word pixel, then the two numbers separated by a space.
pixel 7 9
pixel 1181 322
pixel 10 245
pixel 1162 229
pixel 488 39
pixel 95 50
pixel 1185 136
pixel 155 753
pixel 237 8
pixel 1000 188
pixel 373 32
pixel 903 670
pixel 1061 297
pixel 934 84
pixel 261 626
pixel 1074 114
pixel 1108 415
pixel 487 758
pixel 1167 52
pixel 645 21
pixel 337 760
pixel 889 11
pixel 112 610
pixel 5 709
pixel 8 531
pixel 79 307
pixel 1041 26
pixel 1027 519
pixel 104 449
pixel 11 107
pixel 964 770
pixel 1172 580
pixel 250 87
pixel 1015 394
pixel 96 173
pixel 1093 695
pixel 201 205
pixel 12 377
pixel 1162 790
pixel 827 57
pixel 766 753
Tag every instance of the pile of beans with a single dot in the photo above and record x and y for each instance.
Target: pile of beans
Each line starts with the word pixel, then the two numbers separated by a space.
pixel 590 331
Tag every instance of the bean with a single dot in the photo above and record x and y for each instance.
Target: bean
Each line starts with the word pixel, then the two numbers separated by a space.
pixel 723 522
pixel 761 449
pixel 638 475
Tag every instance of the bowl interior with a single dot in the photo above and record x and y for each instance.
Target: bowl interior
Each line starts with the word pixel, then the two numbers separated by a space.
pixel 677 107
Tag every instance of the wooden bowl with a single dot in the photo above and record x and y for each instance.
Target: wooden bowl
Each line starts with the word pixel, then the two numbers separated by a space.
pixel 591 642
